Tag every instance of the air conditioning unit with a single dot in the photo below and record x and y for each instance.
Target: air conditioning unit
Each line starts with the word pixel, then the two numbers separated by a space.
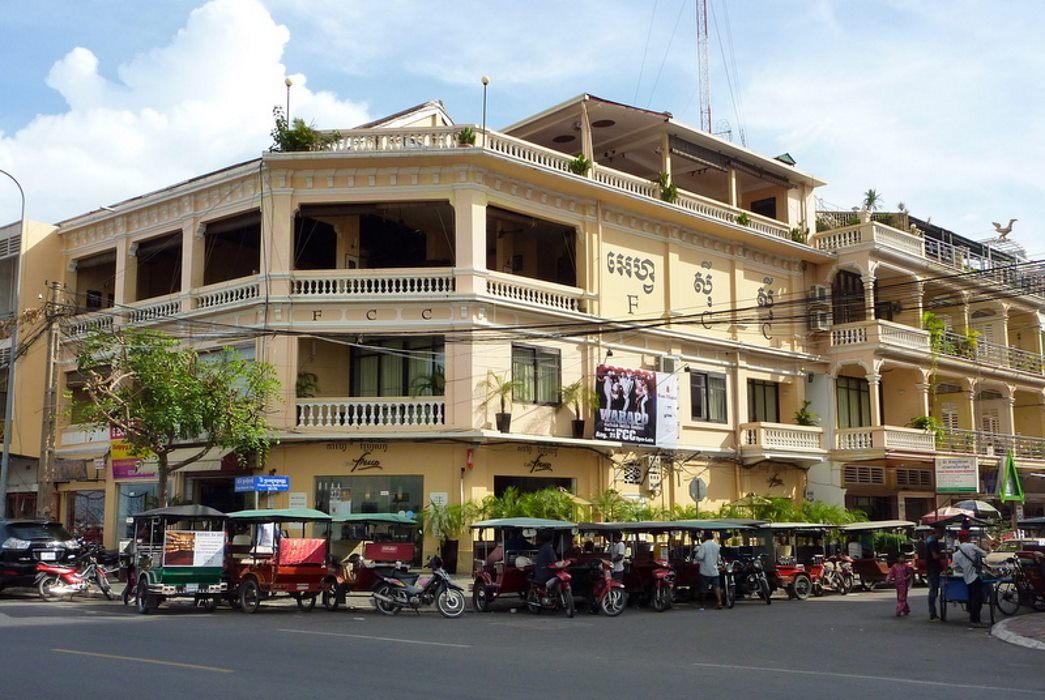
pixel 667 364
pixel 820 321
pixel 819 293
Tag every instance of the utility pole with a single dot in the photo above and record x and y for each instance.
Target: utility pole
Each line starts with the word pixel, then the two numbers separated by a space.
pixel 45 497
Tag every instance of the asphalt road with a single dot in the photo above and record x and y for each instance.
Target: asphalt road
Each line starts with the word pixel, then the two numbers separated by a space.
pixel 832 647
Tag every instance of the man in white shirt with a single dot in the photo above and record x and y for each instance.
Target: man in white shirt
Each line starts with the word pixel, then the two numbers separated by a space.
pixel 617 557
pixel 967 562
pixel 709 556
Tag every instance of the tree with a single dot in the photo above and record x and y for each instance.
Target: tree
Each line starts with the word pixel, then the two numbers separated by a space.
pixel 163 396
pixel 872 200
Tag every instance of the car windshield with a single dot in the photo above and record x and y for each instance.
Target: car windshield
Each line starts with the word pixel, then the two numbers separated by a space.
pixel 39 531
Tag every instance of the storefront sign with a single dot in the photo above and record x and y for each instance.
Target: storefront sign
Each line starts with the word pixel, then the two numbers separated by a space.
pixel 264 484
pixel 298 499
pixel 957 475
pixel 636 406
pixel 439 498
pixel 365 462
pixel 193 548
pixel 537 464
pixel 126 465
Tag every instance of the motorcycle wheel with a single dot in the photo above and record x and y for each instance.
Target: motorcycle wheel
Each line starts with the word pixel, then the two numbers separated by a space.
pixel 818 589
pixel 143 601
pixel 1007 597
pixel 330 601
pixel 660 600
pixel 801 587
pixel 764 593
pixel 731 594
pixel 249 596
pixel 306 603
pixel 612 604
pixel 566 598
pixel 46 587
pixel 1038 603
pixel 383 607
pixel 481 598
pixel 103 583
pixel 533 601
pixel 845 584
pixel 450 603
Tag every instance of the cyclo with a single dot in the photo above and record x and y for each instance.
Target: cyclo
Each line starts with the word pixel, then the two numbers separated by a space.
pixel 364 545
pixel 264 560
pixel 504 563
pixel 179 553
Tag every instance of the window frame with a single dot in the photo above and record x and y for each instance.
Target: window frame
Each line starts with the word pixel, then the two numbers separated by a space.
pixel 763 386
pixel 853 386
pixel 535 361
pixel 702 413
pixel 436 346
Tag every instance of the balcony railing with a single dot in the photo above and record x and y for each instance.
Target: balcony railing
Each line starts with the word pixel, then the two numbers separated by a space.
pixel 79 326
pixel 534 292
pixel 884 437
pixel 978 350
pixel 227 293
pixel 154 309
pixel 876 333
pixel 780 436
pixel 365 141
pixel 372 413
pixel 337 284
pixel 976 442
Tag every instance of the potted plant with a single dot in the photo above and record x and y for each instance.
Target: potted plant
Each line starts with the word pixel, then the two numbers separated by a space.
pixel 500 387
pixel 433 384
pixel 445 522
pixel 743 219
pixel 929 424
pixel 804 416
pixel 307 385
pixel 466 136
pixel 579 165
pixel 668 191
pixel 576 395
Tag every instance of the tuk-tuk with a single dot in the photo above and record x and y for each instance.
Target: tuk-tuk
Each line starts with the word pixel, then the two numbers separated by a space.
pixel 504 563
pixel 364 544
pixel 871 565
pixel 686 536
pixel 793 554
pixel 179 553
pixel 264 560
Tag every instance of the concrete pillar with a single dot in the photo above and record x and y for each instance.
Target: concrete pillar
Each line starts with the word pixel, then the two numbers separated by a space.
pixel 192 255
pixel 125 286
pixel 965 311
pixel 1008 413
pixel 665 156
pixel 734 200
pixel 868 281
pixel 470 239
pixel 277 232
pixel 874 381
pixel 1003 337
pixel 587 149
pixel 919 303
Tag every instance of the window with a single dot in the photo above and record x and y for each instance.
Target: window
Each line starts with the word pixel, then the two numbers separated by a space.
pixel 538 371
pixel 632 473
pixel 914 478
pixel 398 367
pixel 847 297
pixel 763 403
pixel 764 207
pixel 854 402
pixel 874 476
pixel 707 397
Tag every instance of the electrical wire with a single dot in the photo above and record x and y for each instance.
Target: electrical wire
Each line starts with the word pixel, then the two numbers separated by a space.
pixel 645 50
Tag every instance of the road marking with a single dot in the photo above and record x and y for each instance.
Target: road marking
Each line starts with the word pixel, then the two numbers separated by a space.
pixel 157 662
pixel 380 639
pixel 856 676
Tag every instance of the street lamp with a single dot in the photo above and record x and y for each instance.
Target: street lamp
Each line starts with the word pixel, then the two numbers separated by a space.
pixel 288 82
pixel 5 459
pixel 486 81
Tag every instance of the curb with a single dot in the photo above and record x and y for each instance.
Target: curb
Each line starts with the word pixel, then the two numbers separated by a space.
pixel 1001 631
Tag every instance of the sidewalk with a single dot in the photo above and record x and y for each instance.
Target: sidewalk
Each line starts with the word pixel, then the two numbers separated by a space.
pixel 1026 630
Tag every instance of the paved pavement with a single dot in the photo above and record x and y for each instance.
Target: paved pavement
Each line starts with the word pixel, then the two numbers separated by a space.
pixel 1026 630
pixel 835 646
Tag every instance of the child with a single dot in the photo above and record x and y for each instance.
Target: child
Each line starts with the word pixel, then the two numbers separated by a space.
pixel 902 575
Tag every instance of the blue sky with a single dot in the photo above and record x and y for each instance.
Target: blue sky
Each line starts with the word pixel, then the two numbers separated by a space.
pixel 934 104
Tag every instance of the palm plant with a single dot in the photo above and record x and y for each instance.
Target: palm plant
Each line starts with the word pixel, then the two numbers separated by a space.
pixel 872 200
pixel 499 387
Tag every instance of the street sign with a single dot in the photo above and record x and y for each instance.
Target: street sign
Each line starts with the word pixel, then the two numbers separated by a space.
pixel 264 484
pixel 957 475
pixel 698 489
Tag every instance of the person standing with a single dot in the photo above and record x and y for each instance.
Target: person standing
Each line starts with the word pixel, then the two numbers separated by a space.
pixel 617 556
pixel 709 556
pixel 934 560
pixel 968 563
pixel 901 575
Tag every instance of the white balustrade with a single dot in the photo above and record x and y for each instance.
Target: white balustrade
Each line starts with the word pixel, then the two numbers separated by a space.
pixel 848 335
pixel 393 140
pixel 533 292
pixel 905 336
pixel 375 413
pixel 909 439
pixel 79 326
pixel 855 439
pixel 344 283
pixel 625 181
pixel 144 312
pixel 838 239
pixel 215 296
pixel 527 152
pixel 780 436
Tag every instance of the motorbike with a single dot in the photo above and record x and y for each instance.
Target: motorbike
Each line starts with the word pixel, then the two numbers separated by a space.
pixel 57 581
pixel 837 576
pixel 746 577
pixel 663 594
pixel 539 597
pixel 607 595
pixel 392 594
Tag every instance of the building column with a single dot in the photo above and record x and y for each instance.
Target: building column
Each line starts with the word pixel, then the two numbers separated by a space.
pixel 1003 339
pixel 470 239
pixel 193 247
pixel 278 256
pixel 1008 413
pixel 587 149
pixel 924 387
pixel 919 302
pixel 734 199
pixel 965 312
pixel 874 382
pixel 868 281
pixel 125 286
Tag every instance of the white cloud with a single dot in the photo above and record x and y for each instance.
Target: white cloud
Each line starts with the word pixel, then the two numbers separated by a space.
pixel 201 102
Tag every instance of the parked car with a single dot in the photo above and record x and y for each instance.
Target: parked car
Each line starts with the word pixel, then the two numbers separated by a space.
pixel 25 543
pixel 1006 550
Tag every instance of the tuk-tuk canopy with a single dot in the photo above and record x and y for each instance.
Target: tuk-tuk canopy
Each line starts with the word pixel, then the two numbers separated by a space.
pixel 661 526
pixel 390 518
pixel 877 525
pixel 797 526
pixel 709 525
pixel 281 515
pixel 1032 522
pixel 189 512
pixel 526 523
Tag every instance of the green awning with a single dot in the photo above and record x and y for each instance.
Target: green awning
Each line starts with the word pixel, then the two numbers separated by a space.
pixel 281 515
pixel 391 518
pixel 877 525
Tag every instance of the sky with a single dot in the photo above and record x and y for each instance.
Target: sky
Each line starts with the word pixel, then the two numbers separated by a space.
pixel 934 104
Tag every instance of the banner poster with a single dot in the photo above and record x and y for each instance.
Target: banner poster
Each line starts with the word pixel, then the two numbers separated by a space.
pixel 125 464
pixel 636 406
pixel 193 548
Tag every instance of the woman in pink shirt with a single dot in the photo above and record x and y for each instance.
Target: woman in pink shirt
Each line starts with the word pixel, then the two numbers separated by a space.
pixel 901 574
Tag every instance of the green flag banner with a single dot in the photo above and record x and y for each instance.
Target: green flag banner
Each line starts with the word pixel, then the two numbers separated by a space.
pixel 1009 487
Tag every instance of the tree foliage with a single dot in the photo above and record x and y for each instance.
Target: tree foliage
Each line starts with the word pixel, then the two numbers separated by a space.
pixel 299 136
pixel 163 396
pixel 785 510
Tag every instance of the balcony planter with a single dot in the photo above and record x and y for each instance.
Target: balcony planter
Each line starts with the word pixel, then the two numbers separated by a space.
pixel 500 387
pixel 504 422
pixel 578 428
pixel 578 395
pixel 466 137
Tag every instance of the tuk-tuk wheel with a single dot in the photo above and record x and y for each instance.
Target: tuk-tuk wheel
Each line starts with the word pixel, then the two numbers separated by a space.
pixel 481 598
pixel 801 587
pixel 144 602
pixel 306 603
pixel 249 596
pixel 330 601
